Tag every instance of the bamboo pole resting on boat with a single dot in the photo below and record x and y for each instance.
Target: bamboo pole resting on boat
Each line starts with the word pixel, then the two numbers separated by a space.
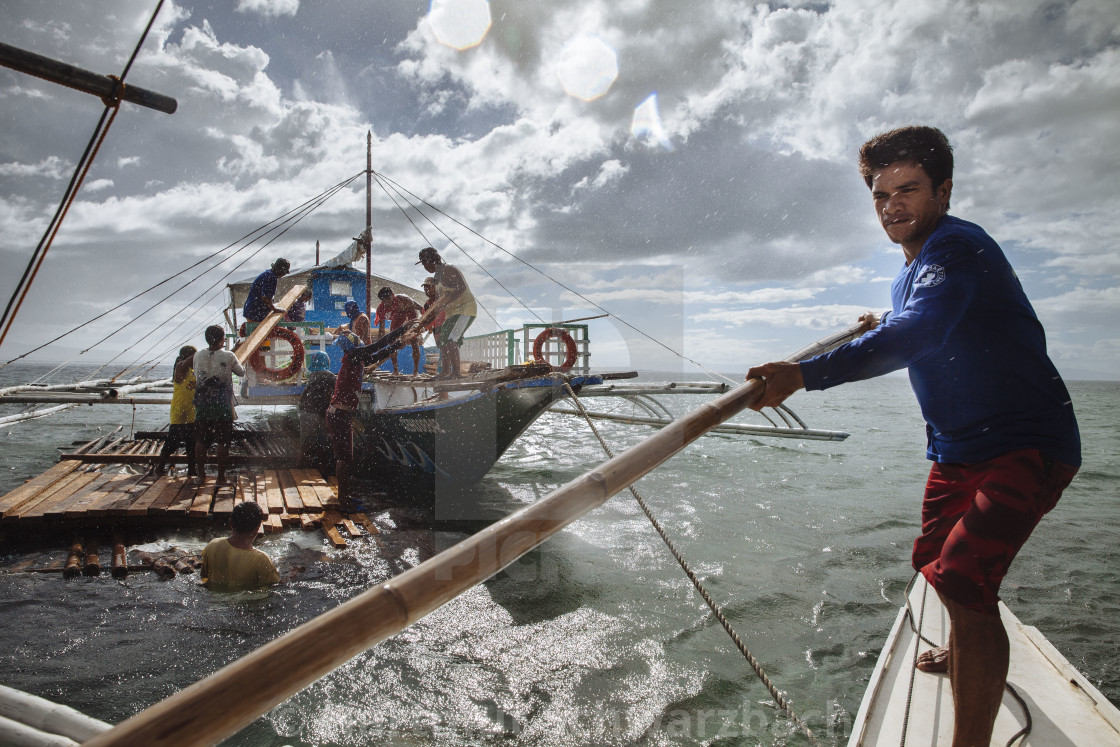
pixel 231 698
pixel 46 716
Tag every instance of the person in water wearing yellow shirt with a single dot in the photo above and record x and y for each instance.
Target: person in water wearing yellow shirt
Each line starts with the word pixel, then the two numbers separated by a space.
pixel 181 430
pixel 231 563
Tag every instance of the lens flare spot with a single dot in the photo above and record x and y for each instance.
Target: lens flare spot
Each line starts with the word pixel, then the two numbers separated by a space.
pixel 459 24
pixel 587 68
pixel 647 125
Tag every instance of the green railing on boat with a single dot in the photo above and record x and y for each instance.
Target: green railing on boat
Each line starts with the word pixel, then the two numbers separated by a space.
pixel 511 347
pixel 506 347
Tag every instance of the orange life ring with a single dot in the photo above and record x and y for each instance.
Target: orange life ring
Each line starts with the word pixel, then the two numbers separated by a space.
pixel 288 335
pixel 569 343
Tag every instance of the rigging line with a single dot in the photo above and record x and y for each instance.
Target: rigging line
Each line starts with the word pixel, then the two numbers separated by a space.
pixel 565 287
pixel 250 237
pixel 158 358
pixel 472 259
pixel 292 221
pixel 426 240
pixel 80 171
pixel 699 586
pixel 213 286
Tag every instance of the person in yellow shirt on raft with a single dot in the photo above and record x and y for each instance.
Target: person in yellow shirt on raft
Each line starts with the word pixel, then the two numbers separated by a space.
pixel 232 563
pixel 181 430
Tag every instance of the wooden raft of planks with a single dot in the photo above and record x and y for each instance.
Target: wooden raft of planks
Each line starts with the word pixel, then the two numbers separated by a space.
pixel 254 447
pixel 75 495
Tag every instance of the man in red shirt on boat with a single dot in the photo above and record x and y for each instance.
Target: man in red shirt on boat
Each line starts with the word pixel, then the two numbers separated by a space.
pixel 398 309
pixel 456 301
pixel 1000 425
pixel 344 403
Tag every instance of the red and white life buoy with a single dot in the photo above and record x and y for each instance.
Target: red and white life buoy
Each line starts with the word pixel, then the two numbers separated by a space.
pixel 256 360
pixel 569 343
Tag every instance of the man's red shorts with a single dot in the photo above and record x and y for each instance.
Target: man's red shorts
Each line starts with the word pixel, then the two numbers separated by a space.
pixel 975 517
pixel 341 431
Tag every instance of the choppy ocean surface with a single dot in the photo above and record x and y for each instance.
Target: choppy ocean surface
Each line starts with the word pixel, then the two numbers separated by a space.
pixel 596 638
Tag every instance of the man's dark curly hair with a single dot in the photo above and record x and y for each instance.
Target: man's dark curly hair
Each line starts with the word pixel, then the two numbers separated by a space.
pixel 926 146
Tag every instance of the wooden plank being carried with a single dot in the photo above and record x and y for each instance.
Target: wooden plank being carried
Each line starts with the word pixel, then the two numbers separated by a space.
pixel 29 490
pixel 260 334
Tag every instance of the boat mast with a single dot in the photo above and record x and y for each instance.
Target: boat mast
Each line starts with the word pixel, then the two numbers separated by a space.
pixel 368 237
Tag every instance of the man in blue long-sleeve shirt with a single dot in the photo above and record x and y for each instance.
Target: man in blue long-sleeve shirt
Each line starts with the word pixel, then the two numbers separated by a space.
pixel 999 422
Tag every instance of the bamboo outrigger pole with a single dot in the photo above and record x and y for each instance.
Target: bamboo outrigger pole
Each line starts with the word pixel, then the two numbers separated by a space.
pixel 221 704
pixel 71 76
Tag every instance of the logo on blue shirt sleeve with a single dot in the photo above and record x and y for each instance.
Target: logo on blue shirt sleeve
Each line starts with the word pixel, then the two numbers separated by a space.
pixel 929 276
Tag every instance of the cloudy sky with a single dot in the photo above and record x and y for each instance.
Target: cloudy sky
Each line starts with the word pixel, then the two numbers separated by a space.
pixel 687 166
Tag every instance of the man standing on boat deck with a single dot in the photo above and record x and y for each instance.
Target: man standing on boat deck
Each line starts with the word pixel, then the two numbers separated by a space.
pixel 1000 424
pixel 259 303
pixel 457 302
pixel 398 309
pixel 213 401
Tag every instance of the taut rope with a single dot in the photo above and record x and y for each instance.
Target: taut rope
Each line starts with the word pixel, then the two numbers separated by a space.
pixel 699 586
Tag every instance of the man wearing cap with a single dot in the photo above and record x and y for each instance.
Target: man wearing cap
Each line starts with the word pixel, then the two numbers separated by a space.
pixel 456 301
pixel 259 304
pixel 359 323
pixel 398 309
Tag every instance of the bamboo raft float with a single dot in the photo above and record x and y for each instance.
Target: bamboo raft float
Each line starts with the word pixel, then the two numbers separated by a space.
pixel 97 489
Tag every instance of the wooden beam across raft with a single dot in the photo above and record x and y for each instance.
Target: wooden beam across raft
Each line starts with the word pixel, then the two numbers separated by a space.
pixel 231 698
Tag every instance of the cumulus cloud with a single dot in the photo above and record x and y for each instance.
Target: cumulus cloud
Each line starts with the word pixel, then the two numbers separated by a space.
pixel 756 214
pixel 269 8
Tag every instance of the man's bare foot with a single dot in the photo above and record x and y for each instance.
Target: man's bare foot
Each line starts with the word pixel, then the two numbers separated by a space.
pixel 934 660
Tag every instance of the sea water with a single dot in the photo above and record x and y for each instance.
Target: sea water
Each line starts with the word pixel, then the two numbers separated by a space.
pixel 597 637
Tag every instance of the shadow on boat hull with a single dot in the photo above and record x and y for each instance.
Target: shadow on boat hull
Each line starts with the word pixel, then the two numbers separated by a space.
pixel 452 442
